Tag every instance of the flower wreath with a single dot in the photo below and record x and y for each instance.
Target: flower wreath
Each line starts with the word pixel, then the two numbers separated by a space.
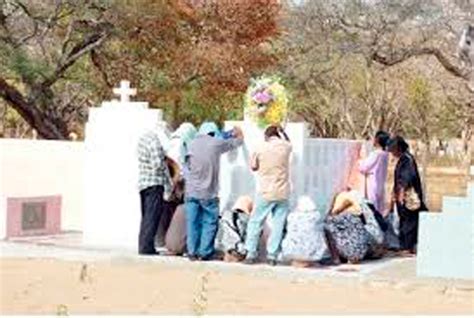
pixel 266 101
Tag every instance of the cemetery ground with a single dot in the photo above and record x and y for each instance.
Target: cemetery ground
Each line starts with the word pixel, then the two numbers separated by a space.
pixel 57 275
pixel 48 279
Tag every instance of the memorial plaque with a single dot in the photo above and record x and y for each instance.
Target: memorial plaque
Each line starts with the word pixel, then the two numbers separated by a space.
pixel 29 216
pixel 33 216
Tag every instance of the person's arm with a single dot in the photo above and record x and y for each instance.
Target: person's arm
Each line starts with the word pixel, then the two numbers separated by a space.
pixel 283 133
pixel 391 205
pixel 366 165
pixel 159 163
pixel 404 178
pixel 254 164
pixel 231 144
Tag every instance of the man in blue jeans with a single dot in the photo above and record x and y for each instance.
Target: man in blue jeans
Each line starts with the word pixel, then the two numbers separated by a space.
pixel 271 161
pixel 202 187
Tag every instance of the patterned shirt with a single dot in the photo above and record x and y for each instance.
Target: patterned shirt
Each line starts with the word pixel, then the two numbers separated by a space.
pixel 151 164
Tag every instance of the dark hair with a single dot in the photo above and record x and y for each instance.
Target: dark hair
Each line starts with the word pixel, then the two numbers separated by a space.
pixel 397 143
pixel 382 138
pixel 272 131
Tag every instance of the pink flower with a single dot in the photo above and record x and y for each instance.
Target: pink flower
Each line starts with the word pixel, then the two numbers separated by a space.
pixel 263 97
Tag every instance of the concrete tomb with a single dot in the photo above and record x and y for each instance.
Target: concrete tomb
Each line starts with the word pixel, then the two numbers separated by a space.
pixel 112 203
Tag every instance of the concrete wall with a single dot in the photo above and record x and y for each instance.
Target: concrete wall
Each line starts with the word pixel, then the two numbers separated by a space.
pixel 31 168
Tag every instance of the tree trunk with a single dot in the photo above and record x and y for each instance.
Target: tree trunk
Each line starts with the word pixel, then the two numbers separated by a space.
pixel 175 113
pixel 46 127
pixel 424 168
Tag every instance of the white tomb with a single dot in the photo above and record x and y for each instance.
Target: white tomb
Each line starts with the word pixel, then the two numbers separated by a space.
pixel 112 204
pixel 446 239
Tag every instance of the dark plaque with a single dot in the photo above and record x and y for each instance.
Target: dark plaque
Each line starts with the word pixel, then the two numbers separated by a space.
pixel 33 216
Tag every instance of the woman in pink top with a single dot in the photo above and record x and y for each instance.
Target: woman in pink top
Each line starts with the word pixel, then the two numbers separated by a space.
pixel 374 168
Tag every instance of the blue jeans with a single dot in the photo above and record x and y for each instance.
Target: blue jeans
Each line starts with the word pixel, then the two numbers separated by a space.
pixel 279 211
pixel 202 218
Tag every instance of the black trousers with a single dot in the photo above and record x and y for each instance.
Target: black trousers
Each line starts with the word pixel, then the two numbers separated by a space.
pixel 152 207
pixel 165 221
pixel 408 227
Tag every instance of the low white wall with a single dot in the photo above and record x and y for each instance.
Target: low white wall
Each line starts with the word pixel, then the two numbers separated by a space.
pixel 31 168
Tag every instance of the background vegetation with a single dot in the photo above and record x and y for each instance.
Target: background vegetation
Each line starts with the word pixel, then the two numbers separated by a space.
pixel 352 66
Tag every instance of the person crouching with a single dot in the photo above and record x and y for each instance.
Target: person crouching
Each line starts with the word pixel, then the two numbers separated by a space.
pixel 233 228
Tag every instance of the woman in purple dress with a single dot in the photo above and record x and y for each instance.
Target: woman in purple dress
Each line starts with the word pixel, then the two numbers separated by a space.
pixel 374 168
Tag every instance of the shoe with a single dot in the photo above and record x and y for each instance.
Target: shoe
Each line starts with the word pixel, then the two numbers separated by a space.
pixel 193 258
pixel 149 253
pixel 250 261
pixel 207 258
pixel 272 262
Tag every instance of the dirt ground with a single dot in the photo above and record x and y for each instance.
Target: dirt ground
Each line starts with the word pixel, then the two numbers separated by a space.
pixel 47 286
pixel 53 286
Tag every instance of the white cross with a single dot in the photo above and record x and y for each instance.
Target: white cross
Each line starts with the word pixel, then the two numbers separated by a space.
pixel 125 91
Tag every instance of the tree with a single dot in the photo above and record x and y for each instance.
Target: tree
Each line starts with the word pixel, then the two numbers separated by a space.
pixel 42 44
pixel 193 59
pixel 362 52
pixel 336 91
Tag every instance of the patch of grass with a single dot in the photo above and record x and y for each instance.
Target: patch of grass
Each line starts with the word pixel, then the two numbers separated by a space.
pixel 62 310
pixel 199 305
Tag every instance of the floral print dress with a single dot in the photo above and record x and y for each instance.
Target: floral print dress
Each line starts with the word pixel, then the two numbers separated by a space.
pixel 304 240
pixel 355 236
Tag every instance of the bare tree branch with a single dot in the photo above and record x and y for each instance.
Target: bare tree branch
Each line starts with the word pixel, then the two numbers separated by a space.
pixel 82 48
pixel 403 55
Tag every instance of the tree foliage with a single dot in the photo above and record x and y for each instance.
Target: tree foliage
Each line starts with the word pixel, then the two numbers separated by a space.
pixel 352 66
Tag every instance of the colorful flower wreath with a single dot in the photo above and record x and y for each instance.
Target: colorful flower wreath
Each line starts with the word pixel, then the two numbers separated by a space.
pixel 266 101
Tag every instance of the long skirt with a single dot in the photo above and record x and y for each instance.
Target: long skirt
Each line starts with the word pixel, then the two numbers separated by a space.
pixel 349 235
pixel 408 227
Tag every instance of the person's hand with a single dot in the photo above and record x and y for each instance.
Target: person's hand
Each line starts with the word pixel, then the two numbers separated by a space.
pixel 386 212
pixel 253 162
pixel 401 196
pixel 238 132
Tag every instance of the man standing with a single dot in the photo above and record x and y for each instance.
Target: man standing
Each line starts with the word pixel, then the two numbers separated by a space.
pixel 202 186
pixel 271 160
pixel 154 184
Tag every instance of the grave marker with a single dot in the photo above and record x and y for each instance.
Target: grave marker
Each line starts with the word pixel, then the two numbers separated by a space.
pixel 112 203
pixel 33 216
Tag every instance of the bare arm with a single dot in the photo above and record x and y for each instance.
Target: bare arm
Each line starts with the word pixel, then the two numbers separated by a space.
pixel 254 164
pixel 282 131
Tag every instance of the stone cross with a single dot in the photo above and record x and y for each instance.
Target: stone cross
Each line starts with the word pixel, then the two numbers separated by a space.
pixel 124 91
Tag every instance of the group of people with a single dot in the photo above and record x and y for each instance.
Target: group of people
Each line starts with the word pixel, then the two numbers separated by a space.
pixel 180 204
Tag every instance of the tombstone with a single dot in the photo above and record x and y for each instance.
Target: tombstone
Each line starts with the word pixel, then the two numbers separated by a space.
pixel 31 216
pixel 319 167
pixel 112 203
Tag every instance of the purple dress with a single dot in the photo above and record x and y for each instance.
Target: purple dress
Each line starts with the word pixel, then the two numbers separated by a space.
pixel 375 168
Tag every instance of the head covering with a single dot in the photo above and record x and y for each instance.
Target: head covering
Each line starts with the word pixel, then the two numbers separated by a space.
pixel 209 127
pixel 347 201
pixel 382 138
pixel 244 203
pixel 179 141
pixel 305 204
pixel 186 132
pixel 397 143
